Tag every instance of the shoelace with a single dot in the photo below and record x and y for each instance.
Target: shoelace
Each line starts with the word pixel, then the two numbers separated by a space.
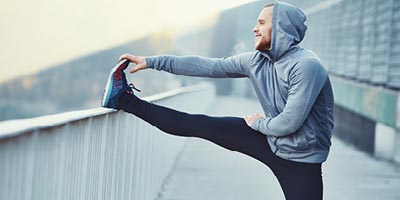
pixel 132 86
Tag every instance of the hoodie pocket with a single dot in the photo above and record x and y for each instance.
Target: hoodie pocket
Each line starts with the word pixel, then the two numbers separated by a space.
pixel 294 142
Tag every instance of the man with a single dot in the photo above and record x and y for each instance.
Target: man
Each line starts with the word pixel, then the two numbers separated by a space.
pixel 293 139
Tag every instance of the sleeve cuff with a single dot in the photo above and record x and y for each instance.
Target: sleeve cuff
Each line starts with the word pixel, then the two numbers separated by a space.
pixel 256 124
pixel 150 61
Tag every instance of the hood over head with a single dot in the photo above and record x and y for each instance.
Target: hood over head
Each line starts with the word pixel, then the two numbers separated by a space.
pixel 288 29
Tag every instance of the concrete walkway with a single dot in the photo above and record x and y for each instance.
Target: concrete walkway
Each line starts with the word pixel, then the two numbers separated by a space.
pixel 205 171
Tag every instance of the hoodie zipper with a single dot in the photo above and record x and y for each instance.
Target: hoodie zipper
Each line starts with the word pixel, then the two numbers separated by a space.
pixel 276 148
pixel 274 71
pixel 272 64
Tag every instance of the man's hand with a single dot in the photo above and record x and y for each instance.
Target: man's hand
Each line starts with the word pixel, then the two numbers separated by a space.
pixel 250 119
pixel 138 60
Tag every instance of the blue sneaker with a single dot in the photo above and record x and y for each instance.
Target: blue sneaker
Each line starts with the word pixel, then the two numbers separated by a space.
pixel 116 85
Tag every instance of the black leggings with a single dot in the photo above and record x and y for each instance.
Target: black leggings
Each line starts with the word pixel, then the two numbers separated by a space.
pixel 299 181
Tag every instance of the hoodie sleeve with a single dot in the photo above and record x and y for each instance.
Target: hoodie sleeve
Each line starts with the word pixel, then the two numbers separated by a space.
pixel 233 67
pixel 306 81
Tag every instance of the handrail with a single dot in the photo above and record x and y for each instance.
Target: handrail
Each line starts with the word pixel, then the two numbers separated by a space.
pixel 93 154
pixel 12 128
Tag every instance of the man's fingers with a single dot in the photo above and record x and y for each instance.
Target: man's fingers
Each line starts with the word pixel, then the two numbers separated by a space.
pixel 250 119
pixel 136 68
pixel 133 70
pixel 138 60
pixel 124 56
pixel 130 57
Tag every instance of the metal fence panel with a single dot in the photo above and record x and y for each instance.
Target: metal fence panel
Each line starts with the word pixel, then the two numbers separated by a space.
pixel 316 36
pixel 352 18
pixel 338 50
pixel 380 64
pixel 358 39
pixel 113 155
pixel 367 40
pixel 330 51
pixel 394 62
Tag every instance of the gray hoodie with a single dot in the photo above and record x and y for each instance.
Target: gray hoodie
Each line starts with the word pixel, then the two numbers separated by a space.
pixel 291 83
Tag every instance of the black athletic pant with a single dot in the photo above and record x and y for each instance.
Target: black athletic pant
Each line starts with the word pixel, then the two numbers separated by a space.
pixel 299 181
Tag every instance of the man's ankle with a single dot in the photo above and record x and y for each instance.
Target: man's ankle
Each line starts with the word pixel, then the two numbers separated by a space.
pixel 127 102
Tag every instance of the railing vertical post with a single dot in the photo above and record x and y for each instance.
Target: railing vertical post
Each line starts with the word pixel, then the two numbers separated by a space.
pixel 101 174
pixel 147 162
pixel 140 162
pixel 129 185
pixel 85 165
pixel 121 169
pixel 135 177
pixel 30 152
pixel 60 160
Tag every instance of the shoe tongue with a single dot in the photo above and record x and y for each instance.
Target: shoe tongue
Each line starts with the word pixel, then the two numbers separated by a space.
pixel 122 67
pixel 118 76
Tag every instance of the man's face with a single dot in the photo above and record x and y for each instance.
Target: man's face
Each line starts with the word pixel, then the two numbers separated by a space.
pixel 262 30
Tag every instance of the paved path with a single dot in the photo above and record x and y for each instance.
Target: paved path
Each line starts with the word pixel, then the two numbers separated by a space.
pixel 205 171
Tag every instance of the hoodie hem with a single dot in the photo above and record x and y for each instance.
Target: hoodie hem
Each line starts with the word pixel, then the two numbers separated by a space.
pixel 304 157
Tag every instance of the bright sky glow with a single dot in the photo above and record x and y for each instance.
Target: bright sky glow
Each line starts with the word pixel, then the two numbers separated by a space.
pixel 37 34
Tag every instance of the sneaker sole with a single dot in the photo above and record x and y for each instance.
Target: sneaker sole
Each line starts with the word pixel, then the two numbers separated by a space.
pixel 108 88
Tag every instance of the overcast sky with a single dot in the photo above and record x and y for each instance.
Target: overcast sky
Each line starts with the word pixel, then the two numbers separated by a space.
pixel 40 33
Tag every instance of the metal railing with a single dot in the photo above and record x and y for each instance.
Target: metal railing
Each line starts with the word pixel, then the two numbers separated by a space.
pixel 92 154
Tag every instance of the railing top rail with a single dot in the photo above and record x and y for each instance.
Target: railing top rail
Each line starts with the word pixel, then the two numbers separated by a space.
pixel 12 128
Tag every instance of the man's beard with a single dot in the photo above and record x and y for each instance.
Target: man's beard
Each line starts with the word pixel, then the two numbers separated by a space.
pixel 263 46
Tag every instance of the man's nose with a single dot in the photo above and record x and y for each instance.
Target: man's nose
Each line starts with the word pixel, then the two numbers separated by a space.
pixel 255 29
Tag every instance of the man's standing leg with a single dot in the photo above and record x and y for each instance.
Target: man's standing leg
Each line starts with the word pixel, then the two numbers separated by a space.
pixel 300 181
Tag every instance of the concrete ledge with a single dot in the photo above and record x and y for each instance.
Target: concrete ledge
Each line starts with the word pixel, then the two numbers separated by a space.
pixel 376 103
pixel 358 103
pixel 384 141
pixel 396 156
